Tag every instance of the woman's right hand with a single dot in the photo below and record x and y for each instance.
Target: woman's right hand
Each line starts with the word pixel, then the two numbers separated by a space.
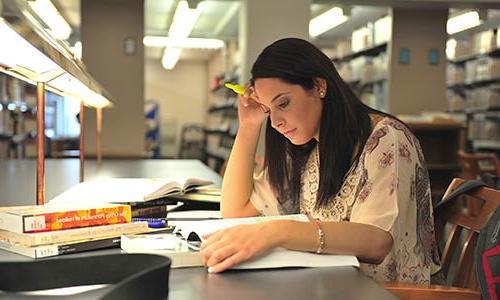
pixel 250 111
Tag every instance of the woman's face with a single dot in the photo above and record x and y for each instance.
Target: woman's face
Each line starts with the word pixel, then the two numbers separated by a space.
pixel 294 111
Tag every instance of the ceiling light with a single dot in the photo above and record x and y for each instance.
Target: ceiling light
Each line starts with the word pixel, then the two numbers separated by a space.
pixel 184 20
pixel 170 57
pixel 190 43
pixel 51 16
pixel 326 21
pixel 182 25
pixel 462 22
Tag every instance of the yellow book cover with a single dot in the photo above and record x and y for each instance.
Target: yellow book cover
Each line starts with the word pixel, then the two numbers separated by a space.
pixel 50 217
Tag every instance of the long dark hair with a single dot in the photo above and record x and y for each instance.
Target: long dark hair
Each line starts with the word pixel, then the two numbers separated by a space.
pixel 345 122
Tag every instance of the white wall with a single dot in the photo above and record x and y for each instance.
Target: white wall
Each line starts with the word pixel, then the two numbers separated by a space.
pixel 182 95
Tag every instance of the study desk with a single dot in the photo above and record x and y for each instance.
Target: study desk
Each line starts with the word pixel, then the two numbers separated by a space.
pixel 17 186
pixel 292 283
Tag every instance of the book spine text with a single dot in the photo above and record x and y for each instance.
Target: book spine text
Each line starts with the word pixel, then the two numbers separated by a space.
pixel 76 219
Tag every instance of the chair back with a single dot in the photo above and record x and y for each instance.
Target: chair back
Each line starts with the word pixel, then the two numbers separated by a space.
pixel 474 165
pixel 457 232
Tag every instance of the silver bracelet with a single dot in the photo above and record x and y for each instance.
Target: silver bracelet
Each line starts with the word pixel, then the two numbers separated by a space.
pixel 321 236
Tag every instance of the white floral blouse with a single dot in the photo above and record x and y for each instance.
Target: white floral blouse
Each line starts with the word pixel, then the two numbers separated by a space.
pixel 387 188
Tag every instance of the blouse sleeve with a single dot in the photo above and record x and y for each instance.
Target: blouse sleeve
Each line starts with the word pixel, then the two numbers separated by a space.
pixel 383 192
pixel 262 197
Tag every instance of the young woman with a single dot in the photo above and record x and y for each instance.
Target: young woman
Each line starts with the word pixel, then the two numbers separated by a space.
pixel 357 172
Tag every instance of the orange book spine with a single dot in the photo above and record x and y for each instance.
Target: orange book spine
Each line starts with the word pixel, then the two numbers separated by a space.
pixel 76 218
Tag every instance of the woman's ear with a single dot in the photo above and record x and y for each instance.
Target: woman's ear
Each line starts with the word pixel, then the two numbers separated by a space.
pixel 320 87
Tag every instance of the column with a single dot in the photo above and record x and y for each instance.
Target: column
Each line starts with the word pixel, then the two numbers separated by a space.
pixel 263 22
pixel 417 63
pixel 111 34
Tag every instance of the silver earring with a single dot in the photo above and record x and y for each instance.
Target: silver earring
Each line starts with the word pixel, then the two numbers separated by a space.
pixel 322 94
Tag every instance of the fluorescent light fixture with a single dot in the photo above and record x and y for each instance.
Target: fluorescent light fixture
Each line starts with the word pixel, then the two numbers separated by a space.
pixel 189 43
pixel 184 20
pixel 326 21
pixel 170 57
pixel 462 22
pixel 182 25
pixel 46 10
pixel 17 52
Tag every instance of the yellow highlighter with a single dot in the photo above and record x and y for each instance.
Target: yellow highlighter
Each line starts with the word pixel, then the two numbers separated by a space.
pixel 238 89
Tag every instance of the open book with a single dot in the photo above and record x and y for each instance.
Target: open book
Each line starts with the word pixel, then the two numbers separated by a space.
pixel 193 231
pixel 167 244
pixel 128 190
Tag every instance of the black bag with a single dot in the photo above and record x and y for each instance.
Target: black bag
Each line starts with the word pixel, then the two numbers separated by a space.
pixel 487 258
pixel 463 188
pixel 130 276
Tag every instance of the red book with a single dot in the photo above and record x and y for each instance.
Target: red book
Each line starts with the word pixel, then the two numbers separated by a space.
pixel 50 217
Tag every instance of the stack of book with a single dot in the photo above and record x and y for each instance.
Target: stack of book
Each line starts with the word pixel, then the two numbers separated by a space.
pixel 63 228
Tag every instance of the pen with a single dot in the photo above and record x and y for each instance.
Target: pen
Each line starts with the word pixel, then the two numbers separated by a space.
pixel 152 222
pixel 238 89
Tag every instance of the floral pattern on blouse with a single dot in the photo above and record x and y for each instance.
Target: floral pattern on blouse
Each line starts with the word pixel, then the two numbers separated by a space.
pixel 388 188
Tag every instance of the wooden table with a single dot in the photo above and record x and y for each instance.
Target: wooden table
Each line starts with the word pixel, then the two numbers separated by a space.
pixel 291 283
pixel 17 186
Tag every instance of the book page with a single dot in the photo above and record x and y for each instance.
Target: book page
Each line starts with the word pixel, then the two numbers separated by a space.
pixel 192 183
pixel 280 258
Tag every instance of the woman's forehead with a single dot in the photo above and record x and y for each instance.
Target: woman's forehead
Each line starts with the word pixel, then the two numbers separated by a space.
pixel 266 89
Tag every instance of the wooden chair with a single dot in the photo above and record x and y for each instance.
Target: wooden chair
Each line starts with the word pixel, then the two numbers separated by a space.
pixel 474 165
pixel 451 220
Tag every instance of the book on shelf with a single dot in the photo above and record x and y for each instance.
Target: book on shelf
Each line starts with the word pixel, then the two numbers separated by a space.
pixel 128 190
pixel 51 217
pixel 62 248
pixel 71 235
pixel 193 232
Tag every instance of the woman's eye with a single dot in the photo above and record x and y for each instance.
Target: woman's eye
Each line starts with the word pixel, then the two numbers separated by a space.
pixel 284 103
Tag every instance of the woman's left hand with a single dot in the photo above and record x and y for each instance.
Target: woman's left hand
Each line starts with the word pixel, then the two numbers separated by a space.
pixel 228 247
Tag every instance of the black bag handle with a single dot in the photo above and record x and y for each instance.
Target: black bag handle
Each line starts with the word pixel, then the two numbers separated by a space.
pixel 131 276
pixel 461 189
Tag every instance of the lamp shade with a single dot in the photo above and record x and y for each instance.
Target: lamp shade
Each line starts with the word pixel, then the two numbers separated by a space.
pixel 29 52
